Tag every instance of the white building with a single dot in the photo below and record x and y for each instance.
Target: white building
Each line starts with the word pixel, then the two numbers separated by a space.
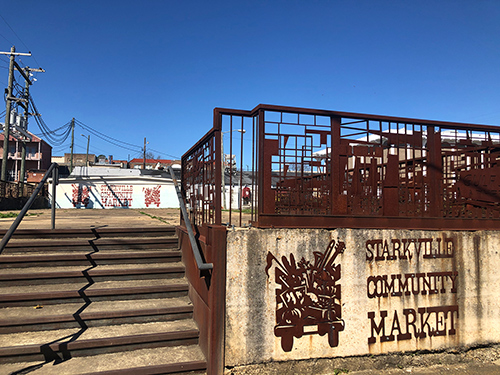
pixel 101 187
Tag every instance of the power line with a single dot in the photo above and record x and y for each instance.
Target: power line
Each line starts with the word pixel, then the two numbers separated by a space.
pixel 4 20
pixel 52 136
pixel 102 135
pixel 24 44
pixel 163 153
pixel 3 36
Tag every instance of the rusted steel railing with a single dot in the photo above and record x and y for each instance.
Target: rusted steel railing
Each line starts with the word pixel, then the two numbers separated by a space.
pixel 197 255
pixel 298 167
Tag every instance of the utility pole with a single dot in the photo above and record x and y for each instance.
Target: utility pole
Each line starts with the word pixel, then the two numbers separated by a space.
pixel 6 128
pixel 72 143
pixel 23 142
pixel 27 70
pixel 87 159
pixel 88 144
pixel 144 155
pixel 12 53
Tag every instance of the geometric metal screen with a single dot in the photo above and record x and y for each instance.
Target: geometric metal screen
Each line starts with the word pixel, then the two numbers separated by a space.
pixel 200 184
pixel 317 168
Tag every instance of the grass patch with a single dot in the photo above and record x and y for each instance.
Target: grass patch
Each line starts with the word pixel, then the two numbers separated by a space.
pixel 245 211
pixel 155 217
pixel 7 215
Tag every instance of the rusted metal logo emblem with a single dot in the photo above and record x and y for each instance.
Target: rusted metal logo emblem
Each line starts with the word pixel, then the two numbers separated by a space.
pixel 308 299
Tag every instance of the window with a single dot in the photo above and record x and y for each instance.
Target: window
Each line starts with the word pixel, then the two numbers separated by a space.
pixel 31 151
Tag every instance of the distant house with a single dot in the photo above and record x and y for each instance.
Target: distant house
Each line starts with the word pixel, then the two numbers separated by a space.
pixel 122 163
pixel 151 163
pixel 38 155
pixel 78 159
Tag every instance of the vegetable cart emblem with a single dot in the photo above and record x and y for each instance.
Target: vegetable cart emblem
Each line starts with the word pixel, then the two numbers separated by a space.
pixel 309 296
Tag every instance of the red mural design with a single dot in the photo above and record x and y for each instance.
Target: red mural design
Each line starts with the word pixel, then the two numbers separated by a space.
pixel 80 195
pixel 152 196
pixel 309 295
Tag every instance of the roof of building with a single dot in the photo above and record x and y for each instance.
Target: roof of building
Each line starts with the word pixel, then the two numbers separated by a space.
pixel 33 137
pixel 151 161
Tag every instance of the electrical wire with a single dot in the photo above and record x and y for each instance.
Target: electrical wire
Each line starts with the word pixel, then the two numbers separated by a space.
pixel 4 20
pixel 24 44
pixel 107 138
pixel 55 137
pixel 164 153
pixel 3 36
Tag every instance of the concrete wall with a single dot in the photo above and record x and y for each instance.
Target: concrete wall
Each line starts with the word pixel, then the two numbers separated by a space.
pixel 385 291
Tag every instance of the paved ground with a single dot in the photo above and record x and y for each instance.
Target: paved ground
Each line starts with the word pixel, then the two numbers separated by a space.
pixel 478 361
pixel 72 218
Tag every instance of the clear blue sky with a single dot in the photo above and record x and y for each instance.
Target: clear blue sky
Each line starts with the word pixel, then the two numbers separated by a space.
pixel 156 69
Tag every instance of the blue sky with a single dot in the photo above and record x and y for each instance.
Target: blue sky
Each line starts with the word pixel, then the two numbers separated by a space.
pixel 156 69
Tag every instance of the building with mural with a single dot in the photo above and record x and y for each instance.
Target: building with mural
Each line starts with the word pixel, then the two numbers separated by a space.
pixel 107 187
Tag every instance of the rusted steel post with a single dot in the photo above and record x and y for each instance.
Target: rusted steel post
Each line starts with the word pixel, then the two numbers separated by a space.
pixel 260 163
pixel 391 187
pixel 435 168
pixel 338 201
pixel 218 167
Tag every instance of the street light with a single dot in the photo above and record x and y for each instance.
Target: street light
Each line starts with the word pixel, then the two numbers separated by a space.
pixel 242 131
pixel 88 143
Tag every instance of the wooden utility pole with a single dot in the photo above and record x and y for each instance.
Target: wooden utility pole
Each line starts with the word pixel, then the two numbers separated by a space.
pixel 144 155
pixel 72 143
pixel 6 133
pixel 23 142
pixel 27 71
pixel 87 158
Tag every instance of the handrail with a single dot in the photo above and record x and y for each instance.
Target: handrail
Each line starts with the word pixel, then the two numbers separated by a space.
pixel 194 245
pixel 6 238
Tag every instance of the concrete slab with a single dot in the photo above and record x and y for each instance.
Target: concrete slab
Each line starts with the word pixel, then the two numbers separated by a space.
pixel 92 333
pixel 75 218
pixel 108 362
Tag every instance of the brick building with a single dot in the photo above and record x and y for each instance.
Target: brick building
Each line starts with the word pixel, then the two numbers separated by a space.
pixel 38 156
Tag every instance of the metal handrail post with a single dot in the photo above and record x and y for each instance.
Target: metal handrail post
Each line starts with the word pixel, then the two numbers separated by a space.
pixel 55 177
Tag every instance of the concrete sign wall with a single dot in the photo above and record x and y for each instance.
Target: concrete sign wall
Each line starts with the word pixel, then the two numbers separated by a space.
pixel 297 294
pixel 113 192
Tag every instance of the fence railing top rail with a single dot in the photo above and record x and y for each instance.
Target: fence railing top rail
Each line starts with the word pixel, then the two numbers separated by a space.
pixel 354 115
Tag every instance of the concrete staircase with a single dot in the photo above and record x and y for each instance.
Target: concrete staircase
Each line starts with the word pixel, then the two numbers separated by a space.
pixel 101 301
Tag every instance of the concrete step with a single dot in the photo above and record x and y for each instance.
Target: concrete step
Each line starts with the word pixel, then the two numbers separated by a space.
pixel 93 233
pixel 99 301
pixel 81 244
pixel 92 274
pixel 84 258
pixel 33 295
pixel 94 314
pixel 84 341
pixel 163 360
